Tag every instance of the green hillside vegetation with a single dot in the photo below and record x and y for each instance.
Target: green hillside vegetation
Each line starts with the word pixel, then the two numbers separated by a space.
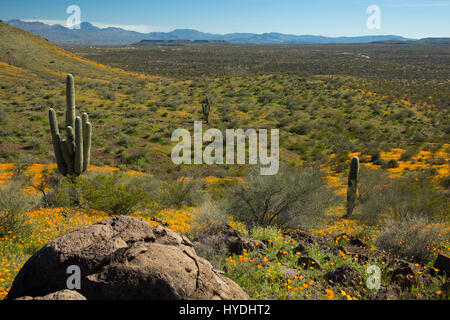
pixel 135 115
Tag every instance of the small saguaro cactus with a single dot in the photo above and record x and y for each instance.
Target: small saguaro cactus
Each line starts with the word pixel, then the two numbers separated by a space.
pixel 206 108
pixel 73 153
pixel 352 185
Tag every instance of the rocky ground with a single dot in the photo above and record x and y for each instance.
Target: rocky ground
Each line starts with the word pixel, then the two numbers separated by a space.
pixel 125 258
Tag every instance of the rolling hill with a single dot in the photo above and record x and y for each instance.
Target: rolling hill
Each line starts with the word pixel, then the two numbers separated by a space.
pixel 38 55
pixel 133 115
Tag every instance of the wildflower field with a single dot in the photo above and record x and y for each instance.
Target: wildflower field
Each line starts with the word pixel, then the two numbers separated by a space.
pixel 261 273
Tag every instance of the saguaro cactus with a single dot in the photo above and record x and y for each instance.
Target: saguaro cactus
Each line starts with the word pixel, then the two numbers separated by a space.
pixel 206 108
pixel 73 153
pixel 352 185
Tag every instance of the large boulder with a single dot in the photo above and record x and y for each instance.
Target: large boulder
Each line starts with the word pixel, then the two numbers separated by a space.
pixel 124 258
pixel 60 295
pixel 344 275
pixel 308 263
pixel 442 263
pixel 391 292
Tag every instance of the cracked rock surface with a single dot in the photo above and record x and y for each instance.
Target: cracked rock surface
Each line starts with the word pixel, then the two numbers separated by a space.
pixel 124 258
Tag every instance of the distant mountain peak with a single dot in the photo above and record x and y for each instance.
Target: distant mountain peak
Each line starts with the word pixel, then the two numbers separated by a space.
pixel 89 34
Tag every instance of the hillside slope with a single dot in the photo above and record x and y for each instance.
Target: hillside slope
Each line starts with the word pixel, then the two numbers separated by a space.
pixel 37 55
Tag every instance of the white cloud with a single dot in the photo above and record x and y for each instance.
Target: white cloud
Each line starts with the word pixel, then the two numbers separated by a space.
pixel 131 27
pixel 142 28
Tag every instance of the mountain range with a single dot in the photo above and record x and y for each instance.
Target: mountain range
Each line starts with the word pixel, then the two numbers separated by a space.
pixel 89 34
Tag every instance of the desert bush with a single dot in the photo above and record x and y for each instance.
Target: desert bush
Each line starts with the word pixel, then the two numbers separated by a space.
pixel 208 213
pixel 20 166
pixel 266 97
pixel 13 203
pixel 445 182
pixel 179 193
pixel 50 188
pixel 108 94
pixel 115 193
pixel 61 195
pixel 376 158
pixel 266 233
pixel 409 153
pixel 287 199
pixel 418 194
pixel 300 129
pixel 412 238
pixel 374 196
pixel 415 194
pixel 4 115
pixel 207 223
pixel 392 163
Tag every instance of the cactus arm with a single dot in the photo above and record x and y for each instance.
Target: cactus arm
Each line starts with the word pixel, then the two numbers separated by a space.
pixel 56 140
pixel 70 100
pixel 71 141
pixel 53 122
pixel 87 134
pixel 84 119
pixel 78 165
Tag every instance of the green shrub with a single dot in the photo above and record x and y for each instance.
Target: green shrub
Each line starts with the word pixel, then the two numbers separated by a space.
pixel 209 213
pixel 418 194
pixel 13 203
pixel 412 238
pixel 4 115
pixel 266 233
pixel 409 153
pixel 374 195
pixel 205 232
pixel 115 194
pixel 179 193
pixel 445 182
pixel 300 129
pixel 287 199
pixel 60 192
pixel 20 166
pixel 415 194
pixel 392 164
pixel 376 158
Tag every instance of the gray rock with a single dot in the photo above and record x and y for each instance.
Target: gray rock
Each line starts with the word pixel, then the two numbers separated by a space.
pixel 60 295
pixel 124 258
pixel 344 275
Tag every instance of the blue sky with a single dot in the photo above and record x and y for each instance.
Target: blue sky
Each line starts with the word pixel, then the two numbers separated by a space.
pixel 409 18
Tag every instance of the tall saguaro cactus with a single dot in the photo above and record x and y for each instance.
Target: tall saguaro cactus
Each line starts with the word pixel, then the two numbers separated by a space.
pixel 72 153
pixel 352 185
pixel 206 108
